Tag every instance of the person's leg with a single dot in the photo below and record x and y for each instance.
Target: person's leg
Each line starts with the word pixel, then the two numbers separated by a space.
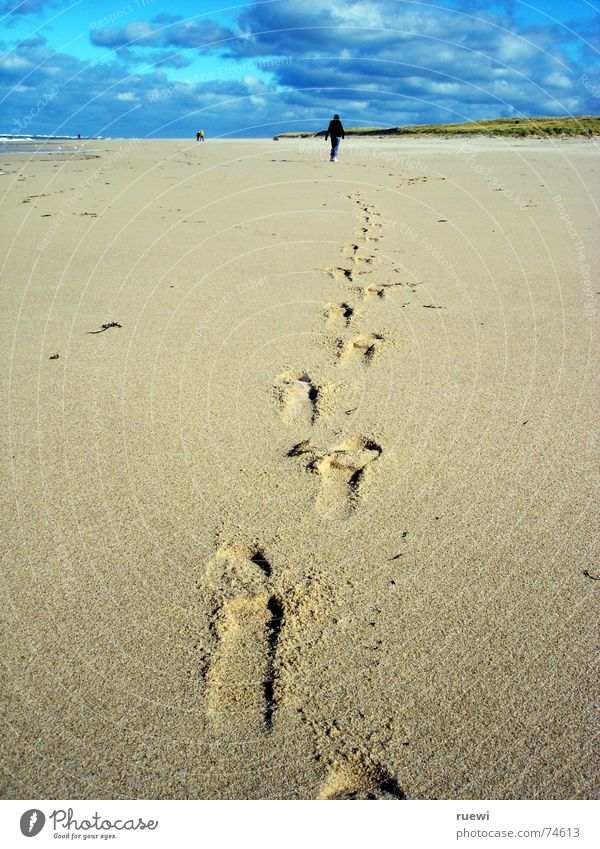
pixel 335 149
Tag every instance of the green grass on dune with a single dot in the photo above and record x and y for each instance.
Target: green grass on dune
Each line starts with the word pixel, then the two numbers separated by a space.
pixel 579 125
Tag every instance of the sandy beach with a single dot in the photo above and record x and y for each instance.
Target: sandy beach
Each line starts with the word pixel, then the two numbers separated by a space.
pixel 299 469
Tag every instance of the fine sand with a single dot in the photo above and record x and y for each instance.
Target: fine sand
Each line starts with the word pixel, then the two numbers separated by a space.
pixel 315 518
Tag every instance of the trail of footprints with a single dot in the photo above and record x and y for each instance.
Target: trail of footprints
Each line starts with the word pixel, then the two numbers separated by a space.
pixel 362 347
pixel 341 468
pixel 241 666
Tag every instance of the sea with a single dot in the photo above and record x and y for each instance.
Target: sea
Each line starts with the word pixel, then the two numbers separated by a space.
pixel 15 143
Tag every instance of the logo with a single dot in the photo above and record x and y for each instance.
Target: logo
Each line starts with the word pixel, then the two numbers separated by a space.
pixel 32 822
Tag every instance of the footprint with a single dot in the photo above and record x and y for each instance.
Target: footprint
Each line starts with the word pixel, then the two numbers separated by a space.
pixel 378 290
pixel 339 315
pixel 362 348
pixel 298 397
pixel 373 290
pixel 364 233
pixel 342 275
pixel 411 181
pixel 241 670
pixel 341 471
pixel 362 259
pixel 356 780
pixel 349 249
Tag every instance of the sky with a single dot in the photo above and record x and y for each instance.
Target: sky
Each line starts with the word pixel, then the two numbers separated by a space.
pixel 150 68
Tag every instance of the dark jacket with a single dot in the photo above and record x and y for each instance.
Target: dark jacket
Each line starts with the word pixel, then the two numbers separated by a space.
pixel 335 129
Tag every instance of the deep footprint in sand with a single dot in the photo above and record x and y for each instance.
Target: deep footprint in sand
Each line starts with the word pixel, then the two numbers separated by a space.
pixel 352 779
pixel 411 181
pixel 247 617
pixel 362 348
pixel 363 259
pixel 298 397
pixel 364 233
pixel 342 275
pixel 339 315
pixel 341 471
pixel 373 290
pixel 378 290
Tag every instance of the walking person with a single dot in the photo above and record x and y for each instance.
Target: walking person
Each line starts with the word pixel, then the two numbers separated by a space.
pixel 336 131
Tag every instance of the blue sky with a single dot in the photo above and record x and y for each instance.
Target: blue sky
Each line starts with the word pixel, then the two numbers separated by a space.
pixel 155 68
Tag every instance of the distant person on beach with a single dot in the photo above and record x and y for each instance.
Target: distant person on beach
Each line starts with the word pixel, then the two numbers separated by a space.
pixel 201 135
pixel 198 136
pixel 336 131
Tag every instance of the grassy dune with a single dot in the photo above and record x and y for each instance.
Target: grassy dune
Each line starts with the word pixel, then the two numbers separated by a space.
pixel 580 125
